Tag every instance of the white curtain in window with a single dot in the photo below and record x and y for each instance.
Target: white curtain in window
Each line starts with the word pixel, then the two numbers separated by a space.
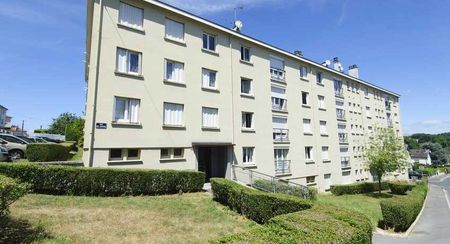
pixel 173 114
pixel 307 126
pixel 174 71
pixel 324 152
pixel 131 16
pixel 248 154
pixel 122 55
pixel 323 127
pixel 321 102
pixel 208 78
pixel 210 117
pixel 120 108
pixel 278 92
pixel 174 30
pixel 276 63
pixel 134 110
pixel 279 123
pixel 303 71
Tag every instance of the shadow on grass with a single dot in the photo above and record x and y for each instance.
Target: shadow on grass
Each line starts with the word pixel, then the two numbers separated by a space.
pixel 377 195
pixel 20 231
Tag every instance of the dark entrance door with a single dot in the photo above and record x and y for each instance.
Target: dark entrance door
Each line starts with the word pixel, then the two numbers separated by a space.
pixel 213 160
pixel 204 161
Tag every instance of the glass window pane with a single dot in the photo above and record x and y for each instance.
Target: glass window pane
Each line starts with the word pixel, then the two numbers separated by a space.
pixel 205 41
pixel 119 113
pixel 165 153
pixel 134 62
pixel 115 154
pixel 212 43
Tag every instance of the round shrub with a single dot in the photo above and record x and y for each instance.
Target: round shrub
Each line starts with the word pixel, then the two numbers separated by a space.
pixel 10 191
pixel 399 187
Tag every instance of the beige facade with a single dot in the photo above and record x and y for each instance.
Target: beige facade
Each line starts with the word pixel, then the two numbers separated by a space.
pixel 144 112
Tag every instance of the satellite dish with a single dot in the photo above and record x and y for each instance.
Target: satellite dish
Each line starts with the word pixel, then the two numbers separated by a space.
pixel 238 25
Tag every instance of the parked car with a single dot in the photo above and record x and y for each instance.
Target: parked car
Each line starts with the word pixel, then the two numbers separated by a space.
pixel 49 140
pixel 27 139
pixel 4 155
pixel 13 139
pixel 415 174
pixel 15 150
pixel 43 140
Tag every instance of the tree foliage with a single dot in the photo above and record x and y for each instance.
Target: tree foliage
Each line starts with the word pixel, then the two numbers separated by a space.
pixel 437 153
pixel 385 154
pixel 59 124
pixel 439 145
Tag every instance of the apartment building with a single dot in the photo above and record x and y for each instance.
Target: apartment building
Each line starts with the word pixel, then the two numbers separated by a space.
pixel 170 90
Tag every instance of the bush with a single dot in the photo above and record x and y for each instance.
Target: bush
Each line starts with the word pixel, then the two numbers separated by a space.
pixel 321 224
pixel 400 212
pixel 256 205
pixel 400 187
pixel 10 191
pixel 358 188
pixel 44 152
pixel 66 180
pixel 285 188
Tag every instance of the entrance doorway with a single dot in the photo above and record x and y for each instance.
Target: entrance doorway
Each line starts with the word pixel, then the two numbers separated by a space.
pixel 215 161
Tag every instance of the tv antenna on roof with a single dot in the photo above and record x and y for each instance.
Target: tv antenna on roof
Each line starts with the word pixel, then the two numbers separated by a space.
pixel 237 23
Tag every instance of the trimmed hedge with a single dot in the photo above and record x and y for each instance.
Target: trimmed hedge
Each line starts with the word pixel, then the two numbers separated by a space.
pixel 400 212
pixel 66 180
pixel 358 188
pixel 399 187
pixel 282 187
pixel 10 191
pixel 321 224
pixel 256 205
pixel 44 152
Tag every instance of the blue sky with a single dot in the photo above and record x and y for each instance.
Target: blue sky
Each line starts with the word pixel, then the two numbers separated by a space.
pixel 402 45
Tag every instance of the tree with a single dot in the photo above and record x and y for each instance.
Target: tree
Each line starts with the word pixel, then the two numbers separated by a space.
pixel 74 131
pixel 412 143
pixel 59 125
pixel 386 153
pixel 437 153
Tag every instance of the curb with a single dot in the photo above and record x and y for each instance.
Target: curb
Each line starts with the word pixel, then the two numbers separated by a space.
pixel 411 227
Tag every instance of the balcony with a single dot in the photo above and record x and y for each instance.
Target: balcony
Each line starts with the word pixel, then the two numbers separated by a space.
pixel 277 74
pixel 340 113
pixel 282 167
pixel 280 135
pixel 339 92
pixel 279 104
pixel 345 162
pixel 343 138
pixel 390 123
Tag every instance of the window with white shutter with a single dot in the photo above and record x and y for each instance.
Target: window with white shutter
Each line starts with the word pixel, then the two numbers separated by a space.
pixel 173 114
pixel 174 71
pixel 210 117
pixel 325 155
pixel 128 61
pixel 174 30
pixel 321 102
pixel 126 110
pixel 323 128
pixel 307 126
pixel 209 79
pixel 131 16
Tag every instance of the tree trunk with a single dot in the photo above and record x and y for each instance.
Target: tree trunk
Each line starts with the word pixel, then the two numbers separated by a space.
pixel 379 185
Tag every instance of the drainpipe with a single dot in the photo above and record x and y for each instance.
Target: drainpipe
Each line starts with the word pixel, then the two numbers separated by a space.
pixel 97 71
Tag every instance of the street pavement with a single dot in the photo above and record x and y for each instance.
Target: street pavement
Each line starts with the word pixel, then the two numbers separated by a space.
pixel 433 226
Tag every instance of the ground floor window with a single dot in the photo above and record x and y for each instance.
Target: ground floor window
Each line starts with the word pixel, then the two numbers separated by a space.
pixel 172 153
pixel 248 155
pixel 124 154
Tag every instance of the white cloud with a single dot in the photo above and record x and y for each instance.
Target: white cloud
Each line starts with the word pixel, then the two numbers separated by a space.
pixel 432 126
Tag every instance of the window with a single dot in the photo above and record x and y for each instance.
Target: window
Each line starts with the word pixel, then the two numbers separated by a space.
pixel 209 42
pixel 126 110
pixel 172 153
pixel 131 16
pixel 321 102
pixel 173 114
pixel 174 30
pixel 325 155
pixel 209 79
pixel 128 61
pixel 307 126
pixel 279 101
pixel 310 180
pixel 247 120
pixel 309 153
pixel 303 72
pixel 323 128
pixel 281 161
pixel 319 77
pixel 366 92
pixel 305 99
pixel 174 71
pixel 124 154
pixel 368 112
pixel 246 86
pixel 210 117
pixel 277 68
pixel 248 155
pixel 245 54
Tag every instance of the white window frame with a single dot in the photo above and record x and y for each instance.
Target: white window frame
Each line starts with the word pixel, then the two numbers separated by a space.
pixel 124 155
pixel 323 127
pixel 303 72
pixel 207 83
pixel 250 92
pixel 181 124
pixel 243 56
pixel 248 156
pixel 216 125
pixel 368 114
pixel 321 101
pixel 171 153
pixel 124 22
pixel 244 121
pixel 166 34
pixel 129 116
pixel 325 153
pixel 128 54
pixel 307 98
pixel 307 128
pixel 208 36
pixel 174 63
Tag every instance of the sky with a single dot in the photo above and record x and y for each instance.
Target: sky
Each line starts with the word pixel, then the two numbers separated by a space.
pixel 401 45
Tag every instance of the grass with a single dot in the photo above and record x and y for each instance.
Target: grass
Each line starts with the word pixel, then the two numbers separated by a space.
pixel 367 204
pixel 186 218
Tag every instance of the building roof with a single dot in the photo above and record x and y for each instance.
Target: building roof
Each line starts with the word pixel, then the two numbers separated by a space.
pixel 263 44
pixel 3 107
pixel 419 153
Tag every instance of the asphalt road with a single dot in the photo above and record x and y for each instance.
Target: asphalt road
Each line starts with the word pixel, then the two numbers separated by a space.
pixel 433 226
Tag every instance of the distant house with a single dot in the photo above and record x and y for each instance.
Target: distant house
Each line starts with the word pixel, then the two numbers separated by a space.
pixel 421 156
pixel 2 116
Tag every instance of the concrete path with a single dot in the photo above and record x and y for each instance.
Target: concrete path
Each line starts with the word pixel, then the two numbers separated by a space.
pixel 433 226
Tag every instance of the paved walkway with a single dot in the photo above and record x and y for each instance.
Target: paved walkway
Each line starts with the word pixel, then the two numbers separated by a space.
pixel 433 227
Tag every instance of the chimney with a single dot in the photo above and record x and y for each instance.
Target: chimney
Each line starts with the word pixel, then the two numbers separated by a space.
pixel 337 65
pixel 353 71
pixel 298 53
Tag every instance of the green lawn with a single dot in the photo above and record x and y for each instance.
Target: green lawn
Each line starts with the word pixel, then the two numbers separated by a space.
pixel 186 218
pixel 367 204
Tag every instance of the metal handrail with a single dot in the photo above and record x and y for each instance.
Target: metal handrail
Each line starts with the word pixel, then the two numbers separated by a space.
pixel 280 135
pixel 340 113
pixel 345 162
pixel 277 73
pixel 343 137
pixel 339 92
pixel 285 169
pixel 280 107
